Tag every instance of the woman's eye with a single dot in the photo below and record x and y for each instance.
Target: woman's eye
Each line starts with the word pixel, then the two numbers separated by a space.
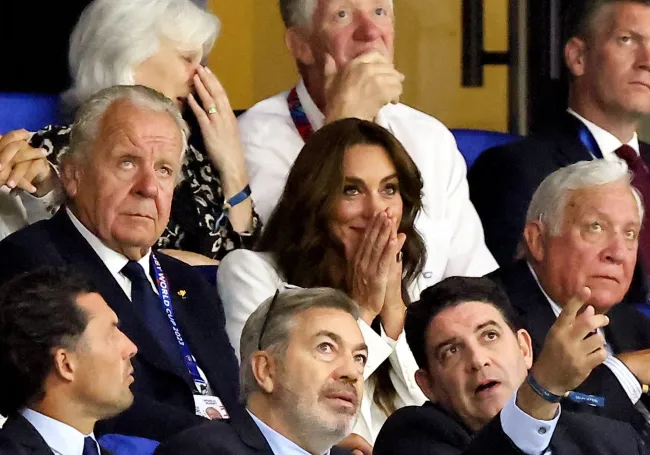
pixel 350 190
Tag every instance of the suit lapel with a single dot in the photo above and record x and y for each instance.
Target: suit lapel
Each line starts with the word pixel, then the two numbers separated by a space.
pixel 77 251
pixel 562 443
pixel 22 432
pixel 197 331
pixel 566 133
pixel 530 303
pixel 249 433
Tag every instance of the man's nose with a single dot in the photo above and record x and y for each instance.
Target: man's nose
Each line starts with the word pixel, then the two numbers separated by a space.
pixel 147 183
pixel 616 249
pixel 478 357
pixel 367 28
pixel 349 369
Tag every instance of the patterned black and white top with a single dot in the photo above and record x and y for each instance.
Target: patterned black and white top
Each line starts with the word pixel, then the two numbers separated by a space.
pixel 198 221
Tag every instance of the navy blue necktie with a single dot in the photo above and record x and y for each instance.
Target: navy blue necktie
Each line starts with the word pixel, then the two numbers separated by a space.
pixel 148 305
pixel 90 446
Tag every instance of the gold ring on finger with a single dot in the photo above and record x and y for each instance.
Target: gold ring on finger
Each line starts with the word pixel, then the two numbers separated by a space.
pixel 212 110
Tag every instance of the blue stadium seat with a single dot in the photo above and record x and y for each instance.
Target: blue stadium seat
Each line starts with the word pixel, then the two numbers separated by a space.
pixel 472 143
pixel 31 111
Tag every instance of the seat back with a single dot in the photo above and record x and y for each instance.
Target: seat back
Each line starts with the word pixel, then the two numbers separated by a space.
pixel 31 111
pixel 472 143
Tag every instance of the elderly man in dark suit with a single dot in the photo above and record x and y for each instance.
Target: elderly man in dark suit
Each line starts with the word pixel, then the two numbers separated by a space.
pixel 475 368
pixel 119 174
pixel 65 364
pixel 607 55
pixel 582 229
pixel 302 361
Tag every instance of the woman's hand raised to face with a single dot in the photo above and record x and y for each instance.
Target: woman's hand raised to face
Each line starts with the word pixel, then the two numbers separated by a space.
pixel 217 122
pixel 374 266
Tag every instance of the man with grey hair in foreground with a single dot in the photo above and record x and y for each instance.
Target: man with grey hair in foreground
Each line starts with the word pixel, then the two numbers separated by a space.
pixel 126 147
pixel 302 361
pixel 582 229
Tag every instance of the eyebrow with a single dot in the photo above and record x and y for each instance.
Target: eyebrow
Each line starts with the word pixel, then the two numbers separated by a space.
pixel 361 181
pixel 452 340
pixel 337 339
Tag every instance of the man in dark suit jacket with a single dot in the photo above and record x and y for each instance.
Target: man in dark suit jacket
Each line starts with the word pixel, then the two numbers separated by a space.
pixel 588 239
pixel 120 183
pixel 606 99
pixel 65 364
pixel 475 368
pixel 302 360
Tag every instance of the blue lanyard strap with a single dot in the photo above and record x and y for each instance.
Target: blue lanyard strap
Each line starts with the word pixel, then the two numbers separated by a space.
pixel 165 299
pixel 298 116
pixel 589 141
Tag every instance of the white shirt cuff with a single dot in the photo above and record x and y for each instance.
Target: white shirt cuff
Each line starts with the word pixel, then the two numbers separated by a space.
pixel 625 377
pixel 530 435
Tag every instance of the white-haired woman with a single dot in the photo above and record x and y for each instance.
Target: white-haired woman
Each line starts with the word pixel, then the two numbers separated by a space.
pixel 160 44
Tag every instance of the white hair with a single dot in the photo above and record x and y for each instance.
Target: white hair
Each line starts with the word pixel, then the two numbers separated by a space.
pixel 299 13
pixel 85 128
pixel 549 201
pixel 112 37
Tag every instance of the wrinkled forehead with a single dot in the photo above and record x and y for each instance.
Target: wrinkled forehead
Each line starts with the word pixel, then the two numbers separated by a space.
pixel 616 200
pixel 125 122
pixel 319 9
pixel 462 321
pixel 331 323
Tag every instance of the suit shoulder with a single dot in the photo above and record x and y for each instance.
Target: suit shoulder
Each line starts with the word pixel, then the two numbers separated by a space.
pixel 215 436
pixel 616 435
pixel 419 428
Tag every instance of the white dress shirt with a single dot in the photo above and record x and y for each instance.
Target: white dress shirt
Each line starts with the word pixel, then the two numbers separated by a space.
pixel 278 443
pixel 449 225
pixel 246 278
pixel 115 262
pixel 624 376
pixel 62 439
pixel 607 142
pixel 530 435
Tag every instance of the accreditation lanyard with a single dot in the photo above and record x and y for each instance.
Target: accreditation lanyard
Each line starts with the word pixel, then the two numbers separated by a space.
pixel 298 115
pixel 165 299
pixel 589 141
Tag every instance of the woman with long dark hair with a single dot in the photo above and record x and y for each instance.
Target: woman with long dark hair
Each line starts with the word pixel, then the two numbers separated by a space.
pixel 345 220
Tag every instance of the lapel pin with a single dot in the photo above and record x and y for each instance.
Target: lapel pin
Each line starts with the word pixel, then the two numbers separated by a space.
pixel 182 293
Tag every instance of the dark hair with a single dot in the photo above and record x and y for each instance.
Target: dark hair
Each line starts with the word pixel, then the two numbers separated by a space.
pixel 579 15
pixel 298 234
pixel 449 293
pixel 38 313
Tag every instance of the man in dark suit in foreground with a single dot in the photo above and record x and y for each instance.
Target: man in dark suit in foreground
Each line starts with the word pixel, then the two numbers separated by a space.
pixel 475 368
pixel 302 361
pixel 582 229
pixel 65 364
pixel 119 174
pixel 607 54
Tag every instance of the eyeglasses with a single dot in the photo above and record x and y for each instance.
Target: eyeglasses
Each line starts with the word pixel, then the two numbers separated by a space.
pixel 266 319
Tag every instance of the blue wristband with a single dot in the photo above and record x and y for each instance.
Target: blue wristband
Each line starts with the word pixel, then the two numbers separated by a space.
pixel 576 397
pixel 239 197
pixel 541 391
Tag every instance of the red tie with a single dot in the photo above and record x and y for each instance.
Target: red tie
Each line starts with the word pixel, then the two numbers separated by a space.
pixel 640 181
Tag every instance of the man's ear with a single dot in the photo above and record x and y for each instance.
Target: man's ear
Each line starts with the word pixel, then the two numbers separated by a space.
pixel 526 347
pixel 534 238
pixel 70 176
pixel 424 381
pixel 65 364
pixel 574 56
pixel 264 370
pixel 297 41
